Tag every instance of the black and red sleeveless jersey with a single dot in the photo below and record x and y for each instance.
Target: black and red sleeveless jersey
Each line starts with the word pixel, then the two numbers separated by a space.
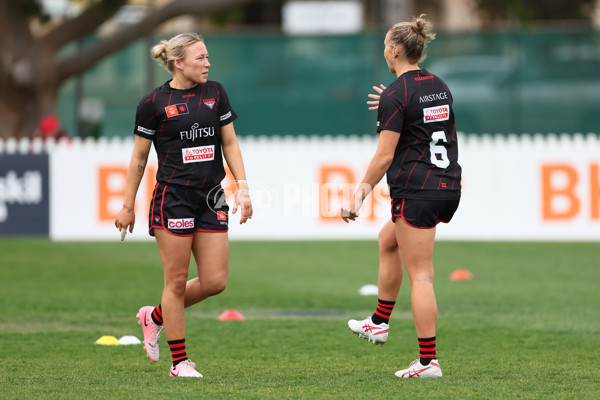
pixel 418 105
pixel 184 126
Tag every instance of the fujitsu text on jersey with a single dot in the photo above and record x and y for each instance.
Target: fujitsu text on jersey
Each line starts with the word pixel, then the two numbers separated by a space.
pixel 196 132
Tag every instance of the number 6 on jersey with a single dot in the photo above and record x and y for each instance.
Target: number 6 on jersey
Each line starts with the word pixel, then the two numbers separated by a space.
pixel 435 148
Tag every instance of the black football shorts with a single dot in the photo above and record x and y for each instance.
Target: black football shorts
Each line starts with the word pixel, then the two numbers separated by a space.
pixel 421 213
pixel 182 211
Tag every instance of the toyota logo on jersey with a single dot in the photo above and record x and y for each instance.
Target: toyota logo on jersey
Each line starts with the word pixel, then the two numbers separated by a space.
pixel 435 114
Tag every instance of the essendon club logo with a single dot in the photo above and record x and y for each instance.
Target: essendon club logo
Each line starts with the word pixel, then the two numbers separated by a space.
pixel 176 109
pixel 221 215
pixel 210 103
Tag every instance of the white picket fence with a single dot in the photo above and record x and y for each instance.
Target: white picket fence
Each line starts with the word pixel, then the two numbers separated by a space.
pixel 533 141
pixel 515 187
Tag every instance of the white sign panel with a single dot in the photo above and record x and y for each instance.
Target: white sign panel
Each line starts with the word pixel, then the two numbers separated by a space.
pixel 322 17
pixel 87 186
pixel 529 188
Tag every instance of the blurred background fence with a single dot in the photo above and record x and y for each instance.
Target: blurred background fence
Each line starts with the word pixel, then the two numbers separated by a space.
pixel 503 81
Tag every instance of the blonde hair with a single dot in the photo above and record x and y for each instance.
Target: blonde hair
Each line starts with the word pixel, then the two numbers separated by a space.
pixel 166 52
pixel 413 37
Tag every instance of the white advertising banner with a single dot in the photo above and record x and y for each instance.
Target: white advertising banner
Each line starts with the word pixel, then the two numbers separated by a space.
pixel 322 17
pixel 514 188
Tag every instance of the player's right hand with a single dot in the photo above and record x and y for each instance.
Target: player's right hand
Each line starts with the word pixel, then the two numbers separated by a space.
pixel 350 209
pixel 125 219
pixel 348 215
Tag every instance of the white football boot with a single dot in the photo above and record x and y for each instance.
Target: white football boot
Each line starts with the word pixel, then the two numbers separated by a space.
pixel 151 332
pixel 185 369
pixel 378 334
pixel 418 370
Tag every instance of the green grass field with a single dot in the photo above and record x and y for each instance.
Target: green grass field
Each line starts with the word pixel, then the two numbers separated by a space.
pixel 527 325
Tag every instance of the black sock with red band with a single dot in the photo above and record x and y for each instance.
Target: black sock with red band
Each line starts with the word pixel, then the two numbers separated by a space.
pixel 178 351
pixel 383 311
pixel 157 315
pixel 427 351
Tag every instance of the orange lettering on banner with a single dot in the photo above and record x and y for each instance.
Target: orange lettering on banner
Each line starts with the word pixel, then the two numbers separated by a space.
pixel 380 192
pixel 567 192
pixel 594 192
pixel 229 186
pixel 336 184
pixel 331 192
pixel 106 193
pixel 150 176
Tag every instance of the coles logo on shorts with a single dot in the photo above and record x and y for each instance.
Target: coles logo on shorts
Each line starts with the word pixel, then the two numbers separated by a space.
pixel 176 109
pixel 182 223
pixel 198 154
pixel 438 113
pixel 221 215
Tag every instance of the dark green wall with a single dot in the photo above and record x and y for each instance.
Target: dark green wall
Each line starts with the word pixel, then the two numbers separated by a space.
pixel 502 82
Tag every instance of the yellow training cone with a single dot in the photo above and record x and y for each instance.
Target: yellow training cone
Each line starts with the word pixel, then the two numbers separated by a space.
pixel 108 341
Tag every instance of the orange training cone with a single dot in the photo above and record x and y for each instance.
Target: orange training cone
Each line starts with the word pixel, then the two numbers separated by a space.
pixel 461 275
pixel 231 315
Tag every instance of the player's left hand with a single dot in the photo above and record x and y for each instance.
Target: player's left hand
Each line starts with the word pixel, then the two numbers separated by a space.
pixel 375 102
pixel 242 200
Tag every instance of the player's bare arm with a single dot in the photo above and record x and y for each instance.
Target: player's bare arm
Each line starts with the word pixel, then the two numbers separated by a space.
pixel 235 162
pixel 139 158
pixel 381 161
